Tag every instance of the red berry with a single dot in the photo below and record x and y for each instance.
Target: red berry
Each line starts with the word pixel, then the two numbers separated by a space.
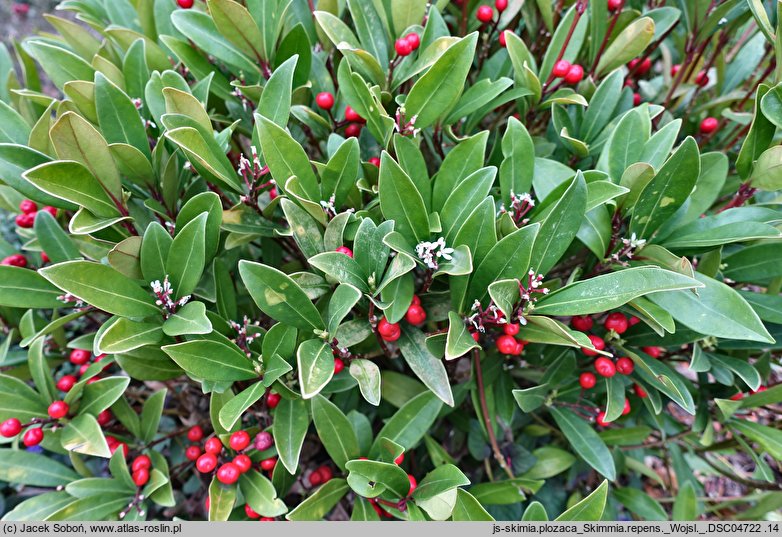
pixel 25 220
pixel 575 75
pixel 519 348
pixel 475 336
pixel 185 4
pixel 633 320
pixel 636 99
pixel 374 161
pixel 600 419
pixel 83 369
pixel 250 512
pixel 266 519
pixel 315 478
pixel 28 206
pixel 228 473
pixel 269 464
pixel 654 352
pixel 10 428
pixel 352 116
pixel 141 477
pixel 142 461
pixel 625 365
pixel 239 440
pixel 206 463
pixel 675 69
pixel 345 250
pixel 502 39
pixel 388 331
pixel 44 258
pixel 709 125
pixel 243 462
pixel 415 315
pixel 511 329
pixel 325 473
pixel 272 400
pixel 273 193
pixel 112 442
pixel 58 409
pixel 737 397
pixel 33 437
pixel 587 380
pixel 605 367
pixel 506 344
pixel 121 446
pixel 416 300
pixel 325 100
pixel 615 5
pixel 597 343
pixel 582 322
pixel 626 410
pixel 192 453
pixel 51 210
pixel 399 459
pixel 80 356
pixel 413 40
pixel 195 434
pixel 485 14
pixel 640 67
pixel 561 69
pixel 760 389
pixel 15 260
pixel 413 484
pixel 339 365
pixel 639 391
pixel 353 130
pixel 702 79
pixel 617 322
pixel 263 441
pixel 403 47
pixel 104 417
pixel 501 5
pixel 213 446
pixel 66 382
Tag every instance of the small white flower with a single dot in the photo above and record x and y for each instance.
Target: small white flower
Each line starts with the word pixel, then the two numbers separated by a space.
pixel 429 252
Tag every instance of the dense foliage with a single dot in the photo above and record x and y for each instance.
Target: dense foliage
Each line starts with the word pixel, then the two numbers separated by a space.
pixel 392 259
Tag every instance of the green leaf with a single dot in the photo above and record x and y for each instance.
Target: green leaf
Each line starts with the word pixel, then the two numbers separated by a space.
pixel 84 435
pixel 260 494
pixel 459 341
pixel 367 374
pixel 400 201
pixel 769 438
pixel 441 479
pixel 467 508
pixel 13 128
pixel 585 441
pixel 369 28
pixel 60 179
pixel 24 288
pixel 560 217
pixel 615 398
pixel 102 287
pixel 509 258
pixel 335 431
pixel 118 117
pixel 291 421
pixel 685 508
pixel 212 360
pixel 279 296
pixel 610 291
pixel 767 172
pixel 340 174
pixel 93 508
pixel 532 398
pixel 205 155
pixel 717 310
pixel 460 162
pixel 222 500
pixel 590 508
pixel 321 502
pixel 424 364
pixel 550 461
pixel 629 44
pixel 275 103
pixel 464 199
pixel 411 422
pixel 316 366
pixel 55 242
pixel 234 22
pixel 186 257
pixel 151 414
pixel 518 165
pixel 535 512
pixel 60 65
pixel 438 90
pixel 669 189
pixel 371 478
pixel 232 411
pixel 100 395
pixel 342 268
pixel 286 158
pixel 27 468
pixel 190 319
pixel 641 504
pixel 124 335
pixel 38 507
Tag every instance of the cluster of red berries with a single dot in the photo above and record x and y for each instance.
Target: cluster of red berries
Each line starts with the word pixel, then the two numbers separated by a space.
pixel 404 46
pixel 740 395
pixel 416 315
pixel 325 100
pixel 140 469
pixel 29 209
pixel 600 419
pixel 571 73
pixel 12 427
pixel 320 475
pixel 81 358
pixel 115 444
pixel 485 13
pixel 229 472
pixel 507 343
